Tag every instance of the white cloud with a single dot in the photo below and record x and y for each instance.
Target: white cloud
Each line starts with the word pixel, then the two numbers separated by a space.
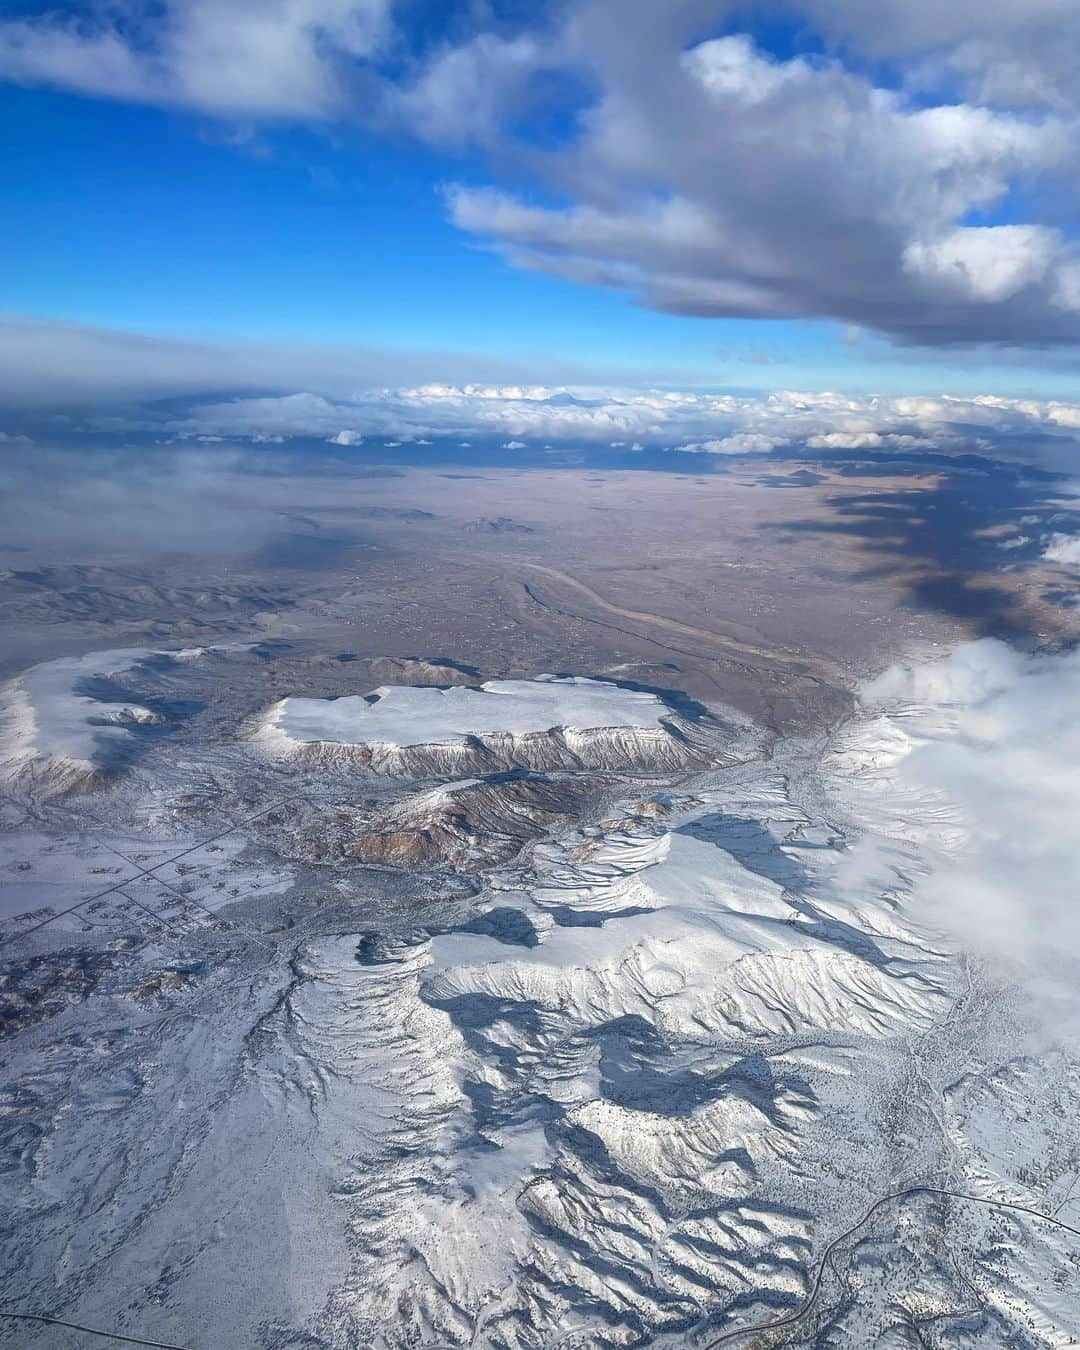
pixel 277 58
pixel 1063 414
pixel 974 757
pixel 730 68
pixel 742 443
pixel 465 91
pixel 728 182
pixel 1006 52
pixel 1064 549
pixel 847 440
pixel 991 263
pixel 719 424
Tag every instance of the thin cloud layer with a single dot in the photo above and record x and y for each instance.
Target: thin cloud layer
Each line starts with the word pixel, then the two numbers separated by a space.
pixel 52 364
pixel 911 169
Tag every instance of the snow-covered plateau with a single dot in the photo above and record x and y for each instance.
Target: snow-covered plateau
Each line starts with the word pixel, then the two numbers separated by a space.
pixel 536 1014
pixel 550 722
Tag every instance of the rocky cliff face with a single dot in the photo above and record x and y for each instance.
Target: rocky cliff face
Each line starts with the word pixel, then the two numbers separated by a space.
pixel 469 825
pixel 617 749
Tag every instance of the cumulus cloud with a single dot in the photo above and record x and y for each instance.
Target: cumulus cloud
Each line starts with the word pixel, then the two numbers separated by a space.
pixel 128 381
pixel 707 177
pixel 691 169
pixel 975 755
pixel 702 423
pixel 1064 549
pixel 991 262
pixel 277 58
pixel 1012 53
pixel 741 443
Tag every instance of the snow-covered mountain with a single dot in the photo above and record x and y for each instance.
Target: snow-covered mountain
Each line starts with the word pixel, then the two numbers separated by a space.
pixel 603 1042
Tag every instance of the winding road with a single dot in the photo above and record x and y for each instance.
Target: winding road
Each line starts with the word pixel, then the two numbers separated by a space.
pixel 894 1197
pixel 822 670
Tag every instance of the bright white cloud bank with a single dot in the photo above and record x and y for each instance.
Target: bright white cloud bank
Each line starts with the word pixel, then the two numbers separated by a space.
pixel 1064 549
pixel 974 758
pixel 705 423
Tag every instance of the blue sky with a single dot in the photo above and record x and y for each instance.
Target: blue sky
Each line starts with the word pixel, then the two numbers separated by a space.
pixel 144 219
pixel 182 221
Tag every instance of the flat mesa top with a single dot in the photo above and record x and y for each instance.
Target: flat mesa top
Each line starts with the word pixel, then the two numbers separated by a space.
pixel 402 716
